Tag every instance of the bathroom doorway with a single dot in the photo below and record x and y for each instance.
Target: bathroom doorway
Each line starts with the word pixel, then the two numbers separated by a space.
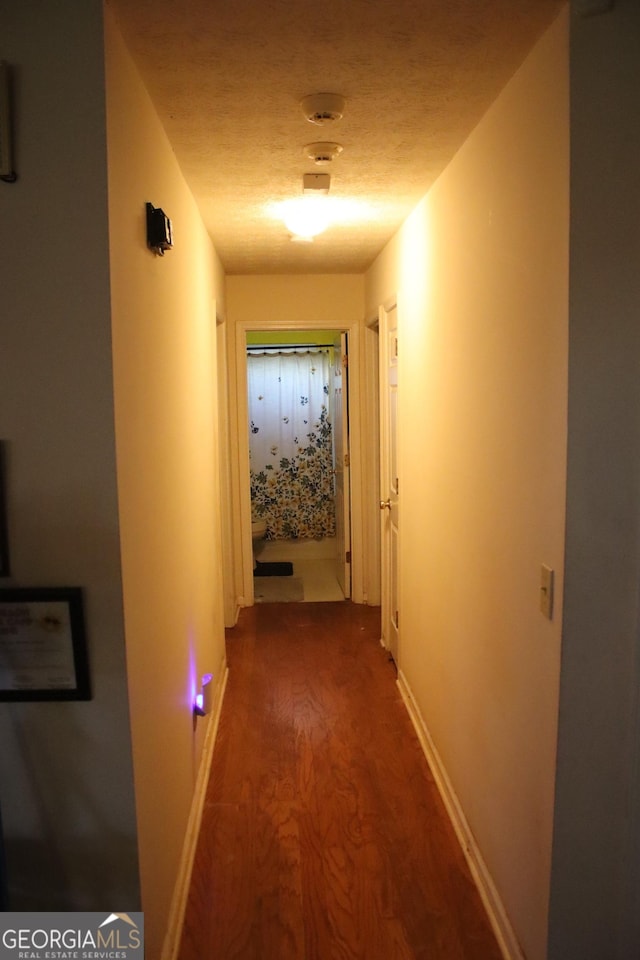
pixel 361 441
pixel 298 464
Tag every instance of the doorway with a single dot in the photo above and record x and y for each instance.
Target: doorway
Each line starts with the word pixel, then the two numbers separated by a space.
pixel 362 445
pixel 298 442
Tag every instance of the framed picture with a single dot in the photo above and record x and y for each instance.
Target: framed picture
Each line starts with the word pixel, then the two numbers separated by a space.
pixel 4 530
pixel 43 651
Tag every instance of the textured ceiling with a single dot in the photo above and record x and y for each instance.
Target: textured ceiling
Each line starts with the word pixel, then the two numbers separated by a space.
pixel 227 76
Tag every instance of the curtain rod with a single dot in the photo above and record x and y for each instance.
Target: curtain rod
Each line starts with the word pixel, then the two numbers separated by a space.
pixel 289 346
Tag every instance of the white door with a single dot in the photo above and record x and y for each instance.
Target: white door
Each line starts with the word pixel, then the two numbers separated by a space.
pixel 341 464
pixel 389 483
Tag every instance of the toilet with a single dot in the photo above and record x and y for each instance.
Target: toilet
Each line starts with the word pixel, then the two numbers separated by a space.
pixel 258 532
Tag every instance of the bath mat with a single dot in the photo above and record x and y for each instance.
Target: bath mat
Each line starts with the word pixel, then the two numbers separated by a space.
pixel 273 569
pixel 278 589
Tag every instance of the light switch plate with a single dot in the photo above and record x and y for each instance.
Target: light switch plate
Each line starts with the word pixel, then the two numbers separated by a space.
pixel 546 591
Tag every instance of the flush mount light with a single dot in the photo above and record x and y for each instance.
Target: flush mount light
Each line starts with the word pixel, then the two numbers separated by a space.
pixel 305 217
pixel 323 152
pixel 308 215
pixel 323 108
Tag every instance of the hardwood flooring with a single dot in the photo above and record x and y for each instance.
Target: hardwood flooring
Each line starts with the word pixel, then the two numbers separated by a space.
pixel 323 835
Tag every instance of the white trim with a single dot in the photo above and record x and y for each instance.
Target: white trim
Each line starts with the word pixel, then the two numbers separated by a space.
pixel 507 940
pixel 236 616
pixel 173 936
pixel 223 447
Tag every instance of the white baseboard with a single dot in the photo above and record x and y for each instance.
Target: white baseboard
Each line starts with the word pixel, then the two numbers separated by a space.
pixel 507 940
pixel 173 935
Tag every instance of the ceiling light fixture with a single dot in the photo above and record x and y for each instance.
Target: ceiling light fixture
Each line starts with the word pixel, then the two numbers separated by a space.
pixel 323 108
pixel 307 216
pixel 325 211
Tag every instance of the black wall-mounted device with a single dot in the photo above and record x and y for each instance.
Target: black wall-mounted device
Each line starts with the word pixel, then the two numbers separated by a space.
pixel 7 173
pixel 159 236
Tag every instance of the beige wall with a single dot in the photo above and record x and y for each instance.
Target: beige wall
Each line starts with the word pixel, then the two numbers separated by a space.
pixel 164 345
pixel 481 273
pixel 295 299
pixel 65 768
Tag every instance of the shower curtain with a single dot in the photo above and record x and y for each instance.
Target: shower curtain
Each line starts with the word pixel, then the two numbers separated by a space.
pixel 290 443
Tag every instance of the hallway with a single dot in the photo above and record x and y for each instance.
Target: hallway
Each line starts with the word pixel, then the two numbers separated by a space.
pixel 323 834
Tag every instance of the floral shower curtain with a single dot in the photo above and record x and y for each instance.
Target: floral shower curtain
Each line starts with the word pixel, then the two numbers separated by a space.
pixel 290 443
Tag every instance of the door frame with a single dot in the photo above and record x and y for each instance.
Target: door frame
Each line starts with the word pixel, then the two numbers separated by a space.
pixel 341 461
pixel 242 528
pixel 390 633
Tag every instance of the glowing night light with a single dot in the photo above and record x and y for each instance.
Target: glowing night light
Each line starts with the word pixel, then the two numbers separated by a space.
pixel 202 701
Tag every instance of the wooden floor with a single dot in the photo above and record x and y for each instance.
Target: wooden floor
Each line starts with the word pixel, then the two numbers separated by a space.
pixel 323 835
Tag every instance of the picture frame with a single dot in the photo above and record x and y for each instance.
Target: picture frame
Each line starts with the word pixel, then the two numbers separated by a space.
pixel 43 650
pixel 4 526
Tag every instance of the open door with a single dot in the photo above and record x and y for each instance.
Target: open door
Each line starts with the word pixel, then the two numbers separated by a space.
pixel 389 482
pixel 341 463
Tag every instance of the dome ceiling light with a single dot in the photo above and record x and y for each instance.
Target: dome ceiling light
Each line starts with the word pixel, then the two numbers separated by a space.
pixel 307 216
